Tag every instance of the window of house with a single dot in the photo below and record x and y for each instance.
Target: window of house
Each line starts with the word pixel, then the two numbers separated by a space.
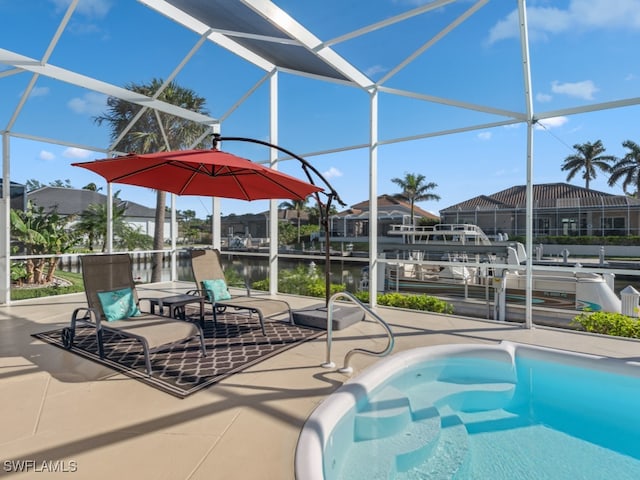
pixel 542 226
pixel 569 226
pixel 614 225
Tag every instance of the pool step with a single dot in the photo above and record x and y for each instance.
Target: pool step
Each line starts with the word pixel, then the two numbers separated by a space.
pixel 463 396
pixel 423 437
pixel 417 442
pixel 448 459
pixel 387 413
pixel 380 458
pixel 487 396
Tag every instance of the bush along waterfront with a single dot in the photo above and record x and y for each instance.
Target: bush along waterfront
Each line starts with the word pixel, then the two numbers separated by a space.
pixel 301 281
pixel 308 282
pixel 606 323
pixel 411 302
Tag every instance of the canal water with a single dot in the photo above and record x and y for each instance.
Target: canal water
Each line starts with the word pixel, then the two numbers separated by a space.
pixel 347 270
pixel 254 269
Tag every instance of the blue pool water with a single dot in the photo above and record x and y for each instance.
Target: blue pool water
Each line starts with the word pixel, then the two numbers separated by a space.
pixel 510 413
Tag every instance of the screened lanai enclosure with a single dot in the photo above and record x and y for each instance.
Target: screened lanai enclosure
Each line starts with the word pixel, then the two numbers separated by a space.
pixel 364 91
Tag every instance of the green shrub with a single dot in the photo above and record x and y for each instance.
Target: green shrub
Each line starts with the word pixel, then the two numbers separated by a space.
pixel 608 324
pixel 18 272
pixel 301 281
pixel 583 240
pixel 233 277
pixel 412 302
pixel 36 292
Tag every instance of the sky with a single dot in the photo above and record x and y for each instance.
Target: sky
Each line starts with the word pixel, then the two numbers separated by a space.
pixel 582 52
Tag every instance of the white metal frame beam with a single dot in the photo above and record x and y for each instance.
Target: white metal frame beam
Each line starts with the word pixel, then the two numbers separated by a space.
pixel 439 36
pixel 224 41
pixel 528 98
pixel 290 26
pixel 164 85
pixel 29 64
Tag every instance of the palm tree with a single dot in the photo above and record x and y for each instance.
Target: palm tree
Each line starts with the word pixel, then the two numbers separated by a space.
pixel 92 186
pixel 414 189
pixel 588 158
pixel 93 222
pixel 149 134
pixel 299 206
pixel 628 169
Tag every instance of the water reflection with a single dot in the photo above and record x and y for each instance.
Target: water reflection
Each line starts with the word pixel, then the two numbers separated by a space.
pixel 256 268
pixel 247 267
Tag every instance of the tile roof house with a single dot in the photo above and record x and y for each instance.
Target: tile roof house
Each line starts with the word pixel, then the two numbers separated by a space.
pixel 72 201
pixel 256 224
pixel 354 222
pixel 558 209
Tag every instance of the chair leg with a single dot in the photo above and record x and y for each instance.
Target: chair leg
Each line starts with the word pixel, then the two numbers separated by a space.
pixel 100 341
pixel 147 360
pixel 215 317
pixel 261 318
pixel 202 345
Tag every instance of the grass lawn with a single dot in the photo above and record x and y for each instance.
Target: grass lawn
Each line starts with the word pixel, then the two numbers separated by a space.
pixel 75 285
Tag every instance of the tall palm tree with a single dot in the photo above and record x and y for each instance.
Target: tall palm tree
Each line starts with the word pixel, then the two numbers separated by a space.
pixel 628 169
pixel 299 206
pixel 148 136
pixel 587 159
pixel 415 189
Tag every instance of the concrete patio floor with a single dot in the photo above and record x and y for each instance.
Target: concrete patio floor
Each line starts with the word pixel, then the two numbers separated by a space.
pixel 57 406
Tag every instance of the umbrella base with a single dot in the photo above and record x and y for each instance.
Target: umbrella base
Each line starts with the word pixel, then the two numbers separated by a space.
pixel 315 316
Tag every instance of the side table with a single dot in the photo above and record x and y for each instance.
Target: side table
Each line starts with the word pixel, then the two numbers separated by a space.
pixel 176 304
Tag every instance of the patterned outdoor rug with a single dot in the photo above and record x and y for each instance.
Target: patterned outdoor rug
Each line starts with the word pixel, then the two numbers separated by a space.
pixel 236 344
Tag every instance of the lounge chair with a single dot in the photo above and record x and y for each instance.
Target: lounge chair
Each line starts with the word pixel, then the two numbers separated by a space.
pixel 210 281
pixel 114 306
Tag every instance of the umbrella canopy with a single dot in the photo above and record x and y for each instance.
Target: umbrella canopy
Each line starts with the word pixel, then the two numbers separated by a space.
pixel 211 173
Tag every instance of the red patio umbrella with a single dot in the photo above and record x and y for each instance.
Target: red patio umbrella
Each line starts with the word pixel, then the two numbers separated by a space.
pixel 214 173
pixel 211 173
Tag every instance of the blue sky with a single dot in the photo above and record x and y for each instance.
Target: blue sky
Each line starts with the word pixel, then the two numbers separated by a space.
pixel 582 52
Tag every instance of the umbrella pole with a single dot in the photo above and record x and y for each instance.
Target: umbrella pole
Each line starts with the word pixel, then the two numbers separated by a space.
pixel 332 194
pixel 327 254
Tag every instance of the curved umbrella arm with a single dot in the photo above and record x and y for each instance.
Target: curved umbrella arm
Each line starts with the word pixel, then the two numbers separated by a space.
pixel 323 209
pixel 306 166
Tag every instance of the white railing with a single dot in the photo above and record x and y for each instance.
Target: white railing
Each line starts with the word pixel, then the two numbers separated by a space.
pixel 346 368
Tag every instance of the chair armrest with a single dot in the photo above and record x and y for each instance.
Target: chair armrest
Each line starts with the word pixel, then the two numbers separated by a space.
pixel 89 315
pixel 203 293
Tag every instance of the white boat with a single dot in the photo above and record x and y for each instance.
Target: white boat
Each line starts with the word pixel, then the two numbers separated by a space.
pixel 460 260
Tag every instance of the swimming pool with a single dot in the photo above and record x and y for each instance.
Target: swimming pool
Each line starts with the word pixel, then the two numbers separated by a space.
pixel 507 411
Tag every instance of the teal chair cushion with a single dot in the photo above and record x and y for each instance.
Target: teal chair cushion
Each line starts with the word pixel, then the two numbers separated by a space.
pixel 216 288
pixel 118 304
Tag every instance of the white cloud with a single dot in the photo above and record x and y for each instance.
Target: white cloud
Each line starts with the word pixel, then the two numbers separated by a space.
pixel 90 103
pixel 484 135
pixel 46 155
pixel 39 92
pixel 73 152
pixel 580 14
pixel 332 173
pixel 89 8
pixel 584 89
pixel 543 97
pixel 630 76
pixel 374 70
pixel 552 122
